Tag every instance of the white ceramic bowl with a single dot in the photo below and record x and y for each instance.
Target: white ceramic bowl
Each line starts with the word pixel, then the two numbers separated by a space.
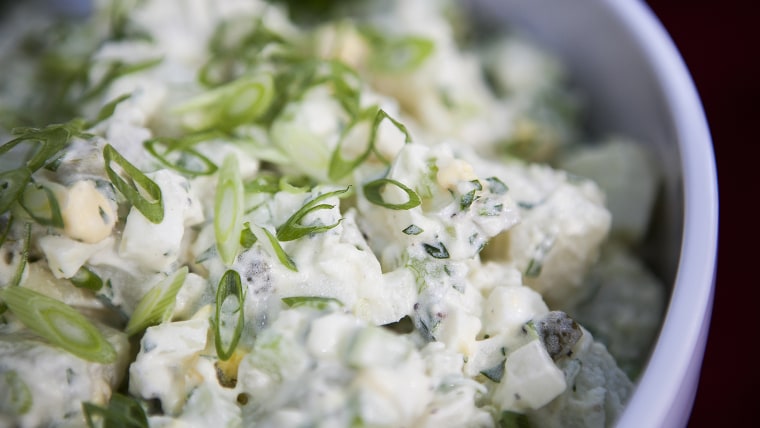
pixel 637 83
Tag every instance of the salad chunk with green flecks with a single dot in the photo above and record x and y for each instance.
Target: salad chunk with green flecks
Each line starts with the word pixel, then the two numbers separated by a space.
pixel 287 214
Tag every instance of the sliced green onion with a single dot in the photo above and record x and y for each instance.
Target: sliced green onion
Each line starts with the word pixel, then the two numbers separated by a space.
pixel 401 54
pixel 107 110
pixel 60 324
pixel 138 186
pixel 7 230
pixel 274 246
pixel 53 138
pixel 85 278
pixel 291 184
pixel 340 167
pixel 293 229
pixel 263 183
pixel 511 419
pixel 16 280
pixel 188 157
pixel 229 285
pixel 228 210
pixel 316 302
pixel 156 305
pixel 413 229
pixel 12 185
pixel 282 256
pixel 437 251
pixel 41 204
pixel 17 399
pixel 118 69
pixel 122 412
pixel 247 238
pixel 372 193
pixel 227 106
pixel 496 186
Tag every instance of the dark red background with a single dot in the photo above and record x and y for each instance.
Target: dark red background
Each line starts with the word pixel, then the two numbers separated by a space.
pixel 720 44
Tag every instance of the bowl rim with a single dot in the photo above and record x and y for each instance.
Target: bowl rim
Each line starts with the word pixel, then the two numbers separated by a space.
pixel 686 324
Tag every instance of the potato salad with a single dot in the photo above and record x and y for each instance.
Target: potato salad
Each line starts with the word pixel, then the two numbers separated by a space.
pixel 233 213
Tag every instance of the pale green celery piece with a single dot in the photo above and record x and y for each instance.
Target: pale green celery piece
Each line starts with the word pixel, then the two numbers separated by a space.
pixel 228 210
pixel 59 324
pixel 157 304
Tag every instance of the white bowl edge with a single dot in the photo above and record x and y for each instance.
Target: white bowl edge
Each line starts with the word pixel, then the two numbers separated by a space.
pixel 664 395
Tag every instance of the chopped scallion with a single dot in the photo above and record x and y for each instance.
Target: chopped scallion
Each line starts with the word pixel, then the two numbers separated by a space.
pixel 42 205
pixel 340 167
pixel 293 229
pixel 137 186
pixel 269 240
pixel 228 210
pixel 107 110
pixel 85 278
pixel 115 70
pixel 7 230
pixel 247 238
pixel 293 184
pixel 316 302
pixel 16 280
pixel 156 305
pixel 263 183
pixel 190 162
pixel 229 285
pixel 232 104
pixel 122 412
pixel 373 189
pixel 399 54
pixel 17 399
pixel 12 185
pixel 60 324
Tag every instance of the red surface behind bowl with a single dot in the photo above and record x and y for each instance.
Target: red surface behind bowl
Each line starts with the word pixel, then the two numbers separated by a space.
pixel 718 42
